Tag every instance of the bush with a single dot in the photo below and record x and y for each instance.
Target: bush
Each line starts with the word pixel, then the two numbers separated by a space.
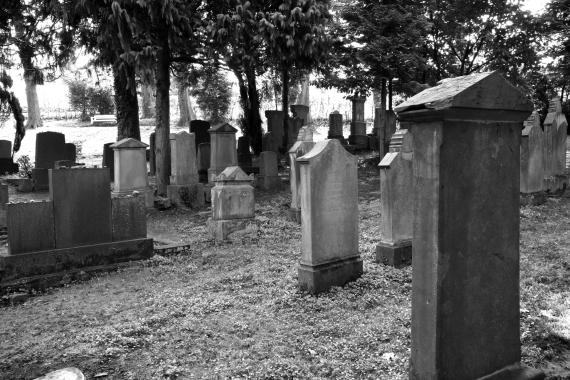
pixel 24 166
pixel 213 95
pixel 89 100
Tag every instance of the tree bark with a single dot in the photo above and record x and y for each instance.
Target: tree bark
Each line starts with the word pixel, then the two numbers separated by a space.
pixel 382 124
pixel 253 118
pixel 390 95
pixel 183 105
pixel 26 53
pixel 162 147
pixel 34 115
pixel 147 110
pixel 304 97
pixel 285 107
pixel 126 101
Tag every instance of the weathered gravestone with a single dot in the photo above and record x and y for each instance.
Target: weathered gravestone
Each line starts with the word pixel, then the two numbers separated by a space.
pixel 555 133
pixel 329 218
pixel 184 188
pixel 128 217
pixel 244 154
pixel 532 156
pixel 268 172
pixel 200 129
pixel 275 126
pixel 303 145
pixel 465 288
pixel 396 186
pixel 203 161
pixel 50 147
pixel 109 159
pixel 70 152
pixel 301 111
pixel 233 203
pixel 335 127
pixel 223 151
pixel 269 143
pixel 130 169
pixel 358 137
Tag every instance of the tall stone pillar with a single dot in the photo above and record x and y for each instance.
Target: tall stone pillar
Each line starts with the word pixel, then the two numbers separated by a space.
pixel 358 136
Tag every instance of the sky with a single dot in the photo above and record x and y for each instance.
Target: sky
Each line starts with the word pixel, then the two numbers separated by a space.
pixel 535 6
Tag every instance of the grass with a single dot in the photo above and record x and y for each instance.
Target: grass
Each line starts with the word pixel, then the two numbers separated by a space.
pixel 233 310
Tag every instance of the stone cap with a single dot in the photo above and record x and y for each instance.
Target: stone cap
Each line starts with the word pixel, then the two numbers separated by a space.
pixel 222 128
pixel 129 143
pixel 322 147
pixel 532 121
pixel 489 90
pixel 233 174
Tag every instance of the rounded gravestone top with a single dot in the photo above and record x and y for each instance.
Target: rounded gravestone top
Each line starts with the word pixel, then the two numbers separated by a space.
pixel 70 373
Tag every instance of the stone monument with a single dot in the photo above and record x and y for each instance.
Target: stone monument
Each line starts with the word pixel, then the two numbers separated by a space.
pixel 184 188
pixel 130 169
pixel 358 137
pixel 335 127
pixel 268 172
pixel 223 151
pixel 532 156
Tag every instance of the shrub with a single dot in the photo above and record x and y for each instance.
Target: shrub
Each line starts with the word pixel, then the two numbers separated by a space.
pixel 213 95
pixel 89 100
pixel 24 166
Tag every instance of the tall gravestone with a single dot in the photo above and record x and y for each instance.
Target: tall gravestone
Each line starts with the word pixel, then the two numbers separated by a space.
pixel 358 136
pixel 152 155
pixel 130 169
pixel 555 133
pixel 203 157
pixel 329 218
pixel 465 287
pixel 268 171
pixel 532 156
pixel 50 147
pixel 109 159
pixel 7 164
pixel 335 126
pixel 303 145
pixel 396 186
pixel 275 126
pixel 184 188
pixel 223 152
pixel 200 129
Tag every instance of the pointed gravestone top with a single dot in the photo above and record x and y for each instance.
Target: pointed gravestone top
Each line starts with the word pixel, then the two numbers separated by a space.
pixel 532 121
pixel 128 143
pixel 555 113
pixel 477 91
pixel 233 174
pixel 222 128
pixel 324 147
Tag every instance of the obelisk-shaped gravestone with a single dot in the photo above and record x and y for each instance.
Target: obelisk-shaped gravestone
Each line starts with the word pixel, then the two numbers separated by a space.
pixel 465 288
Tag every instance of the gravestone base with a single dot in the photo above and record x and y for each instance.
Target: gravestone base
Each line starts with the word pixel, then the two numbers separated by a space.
pixel 556 183
pixel 186 195
pixel 295 215
pixel 320 278
pixel 40 177
pixel 220 229
pixel 358 141
pixel 148 195
pixel 269 182
pixel 396 255
pixel 515 372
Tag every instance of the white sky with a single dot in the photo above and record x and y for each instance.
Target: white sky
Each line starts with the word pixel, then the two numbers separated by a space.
pixel 535 6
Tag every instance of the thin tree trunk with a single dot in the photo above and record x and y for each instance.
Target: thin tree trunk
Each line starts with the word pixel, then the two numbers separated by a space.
pixel 183 105
pixel 390 95
pixel 126 101
pixel 146 92
pixel 382 125
pixel 304 97
pixel 253 118
pixel 285 107
pixel 162 147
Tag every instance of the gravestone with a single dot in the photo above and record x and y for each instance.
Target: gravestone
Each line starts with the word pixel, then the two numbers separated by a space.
pixel 184 188
pixel 203 161
pixel 128 217
pixel 244 154
pixel 532 156
pixel 275 126
pixel 151 155
pixel 82 206
pixel 233 202
pixel 5 149
pixel 329 218
pixel 269 143
pixel 396 186
pixel 301 111
pixel 295 125
pixel 130 169
pixel 305 134
pixel 7 164
pixel 300 148
pixel 268 172
pixel 358 136
pixel 50 147
pixel 200 129
pixel 223 151
pixel 109 159
pixel 70 152
pixel 30 226
pixel 335 127
pixel 465 287
pixel 555 133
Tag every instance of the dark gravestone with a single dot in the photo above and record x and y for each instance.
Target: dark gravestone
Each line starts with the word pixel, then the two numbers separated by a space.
pixel 244 154
pixel 128 218
pixel 465 288
pixel 203 161
pixel 109 159
pixel 70 152
pixel 40 178
pixel 200 129
pixel 30 227
pixel 82 206
pixel 50 147
pixel 6 163
pixel 151 154
pixel 5 149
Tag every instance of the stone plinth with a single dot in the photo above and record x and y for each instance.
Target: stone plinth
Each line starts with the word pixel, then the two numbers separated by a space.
pixel 396 186
pixel 233 202
pixel 465 288
pixel 300 148
pixel 30 227
pixel 203 161
pixel 130 169
pixel 275 126
pixel 268 172
pixel 335 126
pixel 532 156
pixel 358 136
pixel 128 218
pixel 301 111
pixel 82 206
pixel 329 218
pixel 223 151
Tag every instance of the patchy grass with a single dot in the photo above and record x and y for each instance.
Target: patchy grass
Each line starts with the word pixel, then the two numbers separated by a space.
pixel 233 310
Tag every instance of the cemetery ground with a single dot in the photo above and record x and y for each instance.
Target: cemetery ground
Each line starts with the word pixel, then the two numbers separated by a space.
pixel 233 309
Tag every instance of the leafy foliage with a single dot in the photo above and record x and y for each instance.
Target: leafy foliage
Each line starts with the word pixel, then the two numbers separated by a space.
pixel 89 99
pixel 213 95
pixel 25 166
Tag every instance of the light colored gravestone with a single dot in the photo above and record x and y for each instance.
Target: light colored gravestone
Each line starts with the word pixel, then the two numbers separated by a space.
pixel 300 148
pixel 532 156
pixel 275 126
pixel 233 203
pixel 130 169
pixel 305 134
pixel 396 186
pixel 268 171
pixel 223 152
pixel 70 373
pixel 329 218
pixel 465 287
pixel 184 188
pixel 335 126
pixel 555 129
pixel 358 136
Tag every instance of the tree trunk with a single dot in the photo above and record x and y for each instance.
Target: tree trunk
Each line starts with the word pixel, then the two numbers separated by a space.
pixel 285 107
pixel 382 124
pixel 253 117
pixel 126 101
pixel 183 105
pixel 162 147
pixel 34 116
pixel 390 94
pixel 147 110
pixel 304 97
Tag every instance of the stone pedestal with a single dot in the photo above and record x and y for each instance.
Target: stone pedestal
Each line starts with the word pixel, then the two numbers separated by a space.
pixel 465 288
pixel 358 137
pixel 300 148
pixel 268 172
pixel 233 203
pixel 275 126
pixel 336 126
pixel 223 151
pixel 329 218
pixel 396 187
pixel 130 169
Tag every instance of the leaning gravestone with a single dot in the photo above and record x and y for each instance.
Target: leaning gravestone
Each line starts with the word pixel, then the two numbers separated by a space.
pixel 532 156
pixel 329 218
pixel 396 184
pixel 465 287
pixel 184 188
pixel 223 152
